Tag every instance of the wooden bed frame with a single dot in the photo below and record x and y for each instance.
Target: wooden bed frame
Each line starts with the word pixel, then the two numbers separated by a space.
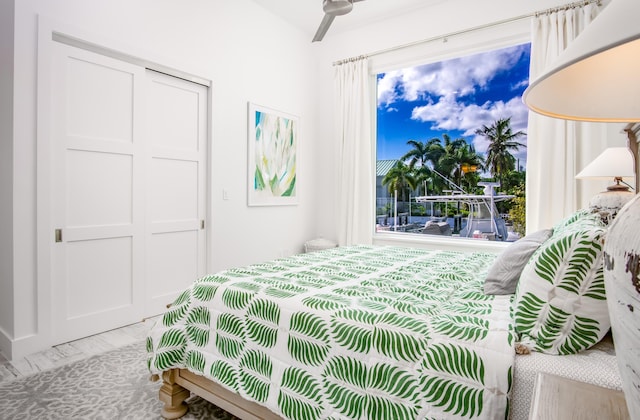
pixel 179 383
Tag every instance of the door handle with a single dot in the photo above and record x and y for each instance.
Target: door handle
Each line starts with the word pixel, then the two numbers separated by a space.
pixel 58 235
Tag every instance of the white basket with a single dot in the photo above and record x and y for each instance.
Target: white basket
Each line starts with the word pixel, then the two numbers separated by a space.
pixel 318 245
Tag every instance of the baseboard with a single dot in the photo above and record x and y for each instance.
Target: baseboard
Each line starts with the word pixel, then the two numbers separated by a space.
pixel 13 349
pixel 6 347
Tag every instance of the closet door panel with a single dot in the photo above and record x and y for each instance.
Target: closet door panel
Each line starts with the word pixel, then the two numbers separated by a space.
pixel 99 93
pixel 108 262
pixel 175 107
pixel 176 178
pixel 175 262
pixel 174 191
pixel 100 188
pixel 97 194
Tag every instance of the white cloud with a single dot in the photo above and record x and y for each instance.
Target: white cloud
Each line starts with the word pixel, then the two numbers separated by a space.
pixel 481 144
pixel 461 76
pixel 520 84
pixel 387 88
pixel 450 114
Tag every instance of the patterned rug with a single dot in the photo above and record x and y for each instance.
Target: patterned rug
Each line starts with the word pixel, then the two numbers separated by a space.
pixel 112 385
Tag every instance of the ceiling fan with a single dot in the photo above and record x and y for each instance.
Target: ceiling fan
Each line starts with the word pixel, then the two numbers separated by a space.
pixel 332 8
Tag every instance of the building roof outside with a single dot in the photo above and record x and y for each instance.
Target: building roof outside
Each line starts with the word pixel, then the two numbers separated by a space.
pixel 384 166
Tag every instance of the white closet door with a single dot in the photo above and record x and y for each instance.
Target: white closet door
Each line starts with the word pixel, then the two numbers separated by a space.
pixel 128 191
pixel 176 177
pixel 97 193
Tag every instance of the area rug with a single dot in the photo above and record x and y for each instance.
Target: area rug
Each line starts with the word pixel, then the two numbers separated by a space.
pixel 112 385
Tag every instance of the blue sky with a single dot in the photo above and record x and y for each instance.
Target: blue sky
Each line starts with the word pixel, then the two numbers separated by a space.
pixel 456 97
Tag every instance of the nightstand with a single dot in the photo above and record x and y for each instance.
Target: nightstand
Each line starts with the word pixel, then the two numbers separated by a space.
pixel 558 398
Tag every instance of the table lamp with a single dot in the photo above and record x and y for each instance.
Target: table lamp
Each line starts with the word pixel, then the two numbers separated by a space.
pixel 615 163
pixel 597 78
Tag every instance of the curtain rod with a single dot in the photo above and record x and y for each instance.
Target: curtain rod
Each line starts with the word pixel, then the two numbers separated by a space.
pixel 581 3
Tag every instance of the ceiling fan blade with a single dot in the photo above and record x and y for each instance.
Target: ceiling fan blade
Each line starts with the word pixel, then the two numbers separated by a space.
pixel 323 28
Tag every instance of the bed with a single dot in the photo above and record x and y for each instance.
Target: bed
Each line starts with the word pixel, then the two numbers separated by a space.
pixel 379 332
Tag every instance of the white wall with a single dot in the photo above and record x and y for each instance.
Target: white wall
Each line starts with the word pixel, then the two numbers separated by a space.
pixel 248 54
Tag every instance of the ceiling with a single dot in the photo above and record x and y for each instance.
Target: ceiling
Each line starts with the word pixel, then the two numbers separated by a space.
pixel 307 14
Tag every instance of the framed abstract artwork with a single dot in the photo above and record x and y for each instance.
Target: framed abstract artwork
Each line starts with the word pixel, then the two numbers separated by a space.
pixel 273 157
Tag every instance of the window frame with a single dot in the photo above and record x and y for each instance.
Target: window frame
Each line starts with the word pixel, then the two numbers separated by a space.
pixel 473 41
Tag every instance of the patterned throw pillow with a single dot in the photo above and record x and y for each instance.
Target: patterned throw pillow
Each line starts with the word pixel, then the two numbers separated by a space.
pixel 560 305
pixel 573 218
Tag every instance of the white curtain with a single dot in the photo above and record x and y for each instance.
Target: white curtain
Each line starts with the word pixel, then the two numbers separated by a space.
pixel 557 149
pixel 353 110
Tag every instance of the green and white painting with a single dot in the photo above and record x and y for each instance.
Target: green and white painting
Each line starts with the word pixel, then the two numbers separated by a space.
pixel 273 157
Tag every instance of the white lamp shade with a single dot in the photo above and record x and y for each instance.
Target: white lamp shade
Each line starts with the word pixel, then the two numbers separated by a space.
pixel 612 163
pixel 599 79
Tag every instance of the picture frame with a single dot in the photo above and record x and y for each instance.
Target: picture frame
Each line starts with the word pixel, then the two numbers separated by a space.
pixel 273 140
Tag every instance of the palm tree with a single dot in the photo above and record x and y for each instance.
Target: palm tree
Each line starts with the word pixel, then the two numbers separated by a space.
pixel 400 178
pixel 449 161
pixel 431 153
pixel 445 156
pixel 418 155
pixel 423 157
pixel 422 176
pixel 468 162
pixel 499 159
pixel 435 150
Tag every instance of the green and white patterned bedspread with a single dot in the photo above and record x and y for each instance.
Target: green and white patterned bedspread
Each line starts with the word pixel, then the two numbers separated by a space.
pixel 360 332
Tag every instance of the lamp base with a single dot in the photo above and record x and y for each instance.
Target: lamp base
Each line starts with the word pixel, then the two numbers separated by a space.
pixel 608 203
pixel 622 285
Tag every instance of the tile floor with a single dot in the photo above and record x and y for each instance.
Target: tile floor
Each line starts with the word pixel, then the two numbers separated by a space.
pixel 63 354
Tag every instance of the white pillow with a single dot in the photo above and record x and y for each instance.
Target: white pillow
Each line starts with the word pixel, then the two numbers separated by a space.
pixel 503 275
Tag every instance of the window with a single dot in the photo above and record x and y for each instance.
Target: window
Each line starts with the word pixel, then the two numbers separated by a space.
pixel 451 146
